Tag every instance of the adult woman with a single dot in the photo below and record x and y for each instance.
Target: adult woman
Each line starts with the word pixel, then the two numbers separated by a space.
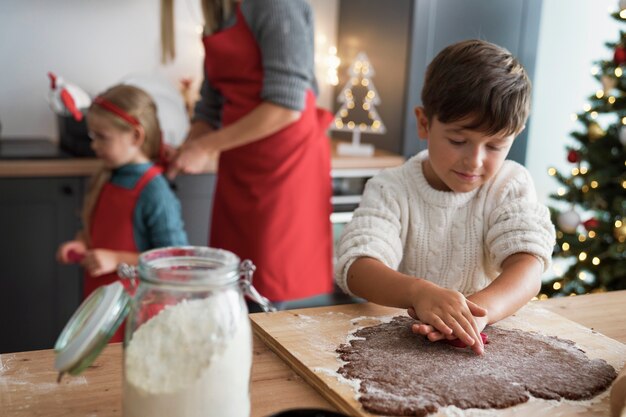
pixel 257 109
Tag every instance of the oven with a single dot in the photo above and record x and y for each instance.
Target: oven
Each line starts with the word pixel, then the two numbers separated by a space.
pixel 348 186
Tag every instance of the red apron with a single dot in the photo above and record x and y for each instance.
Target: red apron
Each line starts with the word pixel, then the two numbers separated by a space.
pixel 112 228
pixel 272 197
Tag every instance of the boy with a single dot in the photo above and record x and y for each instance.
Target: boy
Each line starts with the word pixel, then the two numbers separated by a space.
pixel 455 235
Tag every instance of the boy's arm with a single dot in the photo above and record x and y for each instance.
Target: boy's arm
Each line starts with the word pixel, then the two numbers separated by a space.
pixel 446 310
pixel 518 283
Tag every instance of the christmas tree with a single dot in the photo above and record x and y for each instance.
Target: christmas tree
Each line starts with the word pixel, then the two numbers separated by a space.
pixel 357 113
pixel 591 216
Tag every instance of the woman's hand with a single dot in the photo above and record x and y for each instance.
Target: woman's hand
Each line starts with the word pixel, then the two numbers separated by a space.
pixel 447 314
pixel 76 246
pixel 100 261
pixel 193 157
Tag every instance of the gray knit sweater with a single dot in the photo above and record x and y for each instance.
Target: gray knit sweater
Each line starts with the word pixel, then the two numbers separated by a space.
pixel 456 240
pixel 284 33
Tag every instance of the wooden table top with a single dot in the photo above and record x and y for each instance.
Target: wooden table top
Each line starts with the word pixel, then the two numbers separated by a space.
pixel 28 382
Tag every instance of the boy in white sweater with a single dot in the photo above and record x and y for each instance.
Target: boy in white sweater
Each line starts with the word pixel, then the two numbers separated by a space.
pixel 455 235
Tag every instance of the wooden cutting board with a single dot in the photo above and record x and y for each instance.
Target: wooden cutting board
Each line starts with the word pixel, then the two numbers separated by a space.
pixel 306 339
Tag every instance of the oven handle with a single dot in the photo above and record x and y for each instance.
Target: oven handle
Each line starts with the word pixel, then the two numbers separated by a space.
pixel 341 217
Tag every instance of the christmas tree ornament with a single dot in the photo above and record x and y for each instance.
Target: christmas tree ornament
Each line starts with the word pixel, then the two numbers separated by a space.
pixel 620 231
pixel 591 224
pixel 573 156
pixel 619 56
pixel 568 221
pixel 608 82
pixel 622 135
pixel 595 131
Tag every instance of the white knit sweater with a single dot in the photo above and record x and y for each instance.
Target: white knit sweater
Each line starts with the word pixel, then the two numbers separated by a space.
pixel 456 240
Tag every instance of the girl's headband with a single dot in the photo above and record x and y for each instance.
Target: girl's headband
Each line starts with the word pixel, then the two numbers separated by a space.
pixel 107 105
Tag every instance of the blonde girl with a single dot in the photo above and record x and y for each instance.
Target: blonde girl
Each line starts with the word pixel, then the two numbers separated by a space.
pixel 129 207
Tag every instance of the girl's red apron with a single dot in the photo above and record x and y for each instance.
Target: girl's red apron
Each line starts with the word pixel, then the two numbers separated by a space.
pixel 112 228
pixel 272 198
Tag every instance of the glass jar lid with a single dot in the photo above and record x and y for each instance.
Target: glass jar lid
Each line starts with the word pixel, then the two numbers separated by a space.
pixel 189 266
pixel 89 329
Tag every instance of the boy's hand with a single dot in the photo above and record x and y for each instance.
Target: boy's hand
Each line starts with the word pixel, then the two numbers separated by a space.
pixel 449 313
pixel 76 246
pixel 435 335
pixel 100 261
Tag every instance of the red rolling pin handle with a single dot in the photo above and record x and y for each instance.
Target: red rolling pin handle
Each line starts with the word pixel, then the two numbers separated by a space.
pixel 75 257
pixel 457 342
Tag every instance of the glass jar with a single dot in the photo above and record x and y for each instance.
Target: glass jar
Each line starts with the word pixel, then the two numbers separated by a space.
pixel 188 342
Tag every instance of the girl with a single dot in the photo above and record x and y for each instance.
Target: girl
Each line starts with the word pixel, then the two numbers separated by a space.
pixel 129 207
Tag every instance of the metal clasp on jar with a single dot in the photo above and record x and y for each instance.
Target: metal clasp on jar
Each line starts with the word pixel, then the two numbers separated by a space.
pixel 129 272
pixel 246 270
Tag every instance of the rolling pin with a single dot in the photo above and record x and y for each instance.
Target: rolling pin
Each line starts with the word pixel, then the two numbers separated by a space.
pixel 618 395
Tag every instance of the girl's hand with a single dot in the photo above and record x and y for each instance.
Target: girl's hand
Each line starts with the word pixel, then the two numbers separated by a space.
pixel 100 261
pixel 64 250
pixel 449 313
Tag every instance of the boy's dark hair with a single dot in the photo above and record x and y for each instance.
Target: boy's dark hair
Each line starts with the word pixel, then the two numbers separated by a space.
pixel 479 80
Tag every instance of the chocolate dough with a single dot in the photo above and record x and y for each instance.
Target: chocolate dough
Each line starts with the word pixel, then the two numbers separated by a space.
pixel 403 374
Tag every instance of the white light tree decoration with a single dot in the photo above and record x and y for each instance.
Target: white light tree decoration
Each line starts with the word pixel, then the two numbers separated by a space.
pixel 361 118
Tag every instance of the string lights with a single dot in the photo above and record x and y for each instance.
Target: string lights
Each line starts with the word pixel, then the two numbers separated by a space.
pixel 358 113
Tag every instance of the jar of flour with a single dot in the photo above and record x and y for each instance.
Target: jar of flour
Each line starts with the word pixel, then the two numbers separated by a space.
pixel 188 347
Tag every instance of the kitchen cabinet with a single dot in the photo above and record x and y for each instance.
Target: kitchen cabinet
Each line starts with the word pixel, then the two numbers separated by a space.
pixel 195 193
pixel 37 295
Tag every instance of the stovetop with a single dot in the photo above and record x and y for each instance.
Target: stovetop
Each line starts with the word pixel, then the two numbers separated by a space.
pixel 30 148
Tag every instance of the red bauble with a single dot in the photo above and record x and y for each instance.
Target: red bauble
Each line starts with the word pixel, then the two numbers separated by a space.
pixel 573 156
pixel 620 55
pixel 591 224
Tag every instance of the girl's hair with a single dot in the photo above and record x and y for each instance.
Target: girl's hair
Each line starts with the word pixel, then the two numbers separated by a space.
pixel 479 80
pixel 136 103
pixel 168 44
pixel 214 11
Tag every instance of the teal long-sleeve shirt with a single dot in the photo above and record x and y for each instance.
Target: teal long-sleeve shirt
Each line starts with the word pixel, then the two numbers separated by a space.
pixel 157 219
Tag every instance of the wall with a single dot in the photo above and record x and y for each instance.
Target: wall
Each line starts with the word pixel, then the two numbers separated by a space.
pixel 95 44
pixel 572 36
pixel 383 34
pixel 82 40
pixel 326 21
pixel 513 24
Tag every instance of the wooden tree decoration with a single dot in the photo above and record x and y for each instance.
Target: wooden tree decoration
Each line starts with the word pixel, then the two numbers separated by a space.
pixel 362 117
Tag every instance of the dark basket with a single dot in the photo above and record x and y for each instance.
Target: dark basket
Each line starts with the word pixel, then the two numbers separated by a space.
pixel 73 136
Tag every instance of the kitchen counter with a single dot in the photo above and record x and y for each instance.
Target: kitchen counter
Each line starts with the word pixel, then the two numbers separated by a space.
pixel 28 382
pixel 69 167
